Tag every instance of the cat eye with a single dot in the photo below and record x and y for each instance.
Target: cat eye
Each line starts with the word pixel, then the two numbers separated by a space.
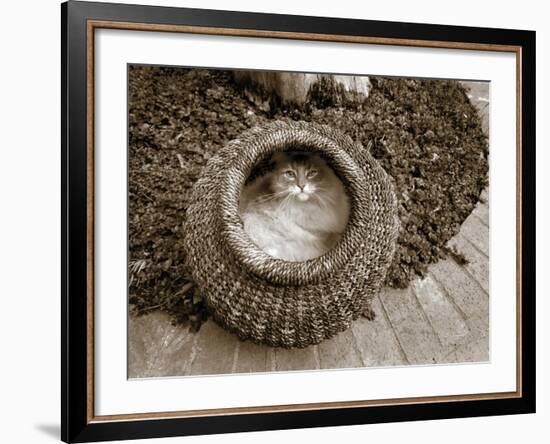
pixel 289 174
pixel 311 174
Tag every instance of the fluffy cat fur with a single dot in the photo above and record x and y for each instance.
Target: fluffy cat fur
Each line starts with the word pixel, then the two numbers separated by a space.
pixel 298 210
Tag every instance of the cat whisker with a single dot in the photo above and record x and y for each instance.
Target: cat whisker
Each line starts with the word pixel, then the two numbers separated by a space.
pixel 264 198
pixel 322 196
pixel 268 197
pixel 323 203
pixel 284 203
pixel 322 200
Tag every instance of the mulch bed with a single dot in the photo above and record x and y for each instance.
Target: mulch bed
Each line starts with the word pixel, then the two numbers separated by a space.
pixel 425 133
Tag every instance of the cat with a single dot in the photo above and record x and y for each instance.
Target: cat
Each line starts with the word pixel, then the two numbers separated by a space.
pixel 298 210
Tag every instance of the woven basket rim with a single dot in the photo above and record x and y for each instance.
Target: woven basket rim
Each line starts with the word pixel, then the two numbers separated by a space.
pixel 256 145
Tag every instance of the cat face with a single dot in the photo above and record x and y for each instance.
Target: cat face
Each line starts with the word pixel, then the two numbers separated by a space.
pixel 298 174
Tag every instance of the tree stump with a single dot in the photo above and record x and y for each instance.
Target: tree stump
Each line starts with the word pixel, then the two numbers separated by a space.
pixel 297 88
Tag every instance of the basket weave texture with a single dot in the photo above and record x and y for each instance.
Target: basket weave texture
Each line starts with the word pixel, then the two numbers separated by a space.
pixel 275 302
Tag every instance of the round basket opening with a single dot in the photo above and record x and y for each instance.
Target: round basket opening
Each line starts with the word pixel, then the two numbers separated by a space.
pixel 259 146
pixel 294 206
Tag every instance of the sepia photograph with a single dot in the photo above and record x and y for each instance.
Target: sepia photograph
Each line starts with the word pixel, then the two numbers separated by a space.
pixel 286 221
pixel 273 221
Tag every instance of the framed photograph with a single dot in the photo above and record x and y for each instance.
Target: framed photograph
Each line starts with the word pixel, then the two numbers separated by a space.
pixel 275 221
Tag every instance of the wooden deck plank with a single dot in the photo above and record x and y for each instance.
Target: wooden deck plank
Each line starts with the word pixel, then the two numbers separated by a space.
pixel 157 348
pixel 214 352
pixel 445 319
pixel 481 211
pixel 476 350
pixel 376 340
pixel 414 333
pixel 296 359
pixel 252 358
pixel 478 93
pixel 484 196
pixel 137 353
pixel 478 265
pixel 340 352
pixel 477 233
pixel 468 296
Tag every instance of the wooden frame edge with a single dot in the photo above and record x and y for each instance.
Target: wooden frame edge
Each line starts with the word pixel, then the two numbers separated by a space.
pixel 519 223
pixel 90 125
pixel 285 408
pixel 235 32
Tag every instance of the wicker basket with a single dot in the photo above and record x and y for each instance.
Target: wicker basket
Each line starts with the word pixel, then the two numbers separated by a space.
pixel 275 302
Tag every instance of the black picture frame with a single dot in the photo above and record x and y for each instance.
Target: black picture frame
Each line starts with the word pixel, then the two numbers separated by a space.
pixel 77 425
